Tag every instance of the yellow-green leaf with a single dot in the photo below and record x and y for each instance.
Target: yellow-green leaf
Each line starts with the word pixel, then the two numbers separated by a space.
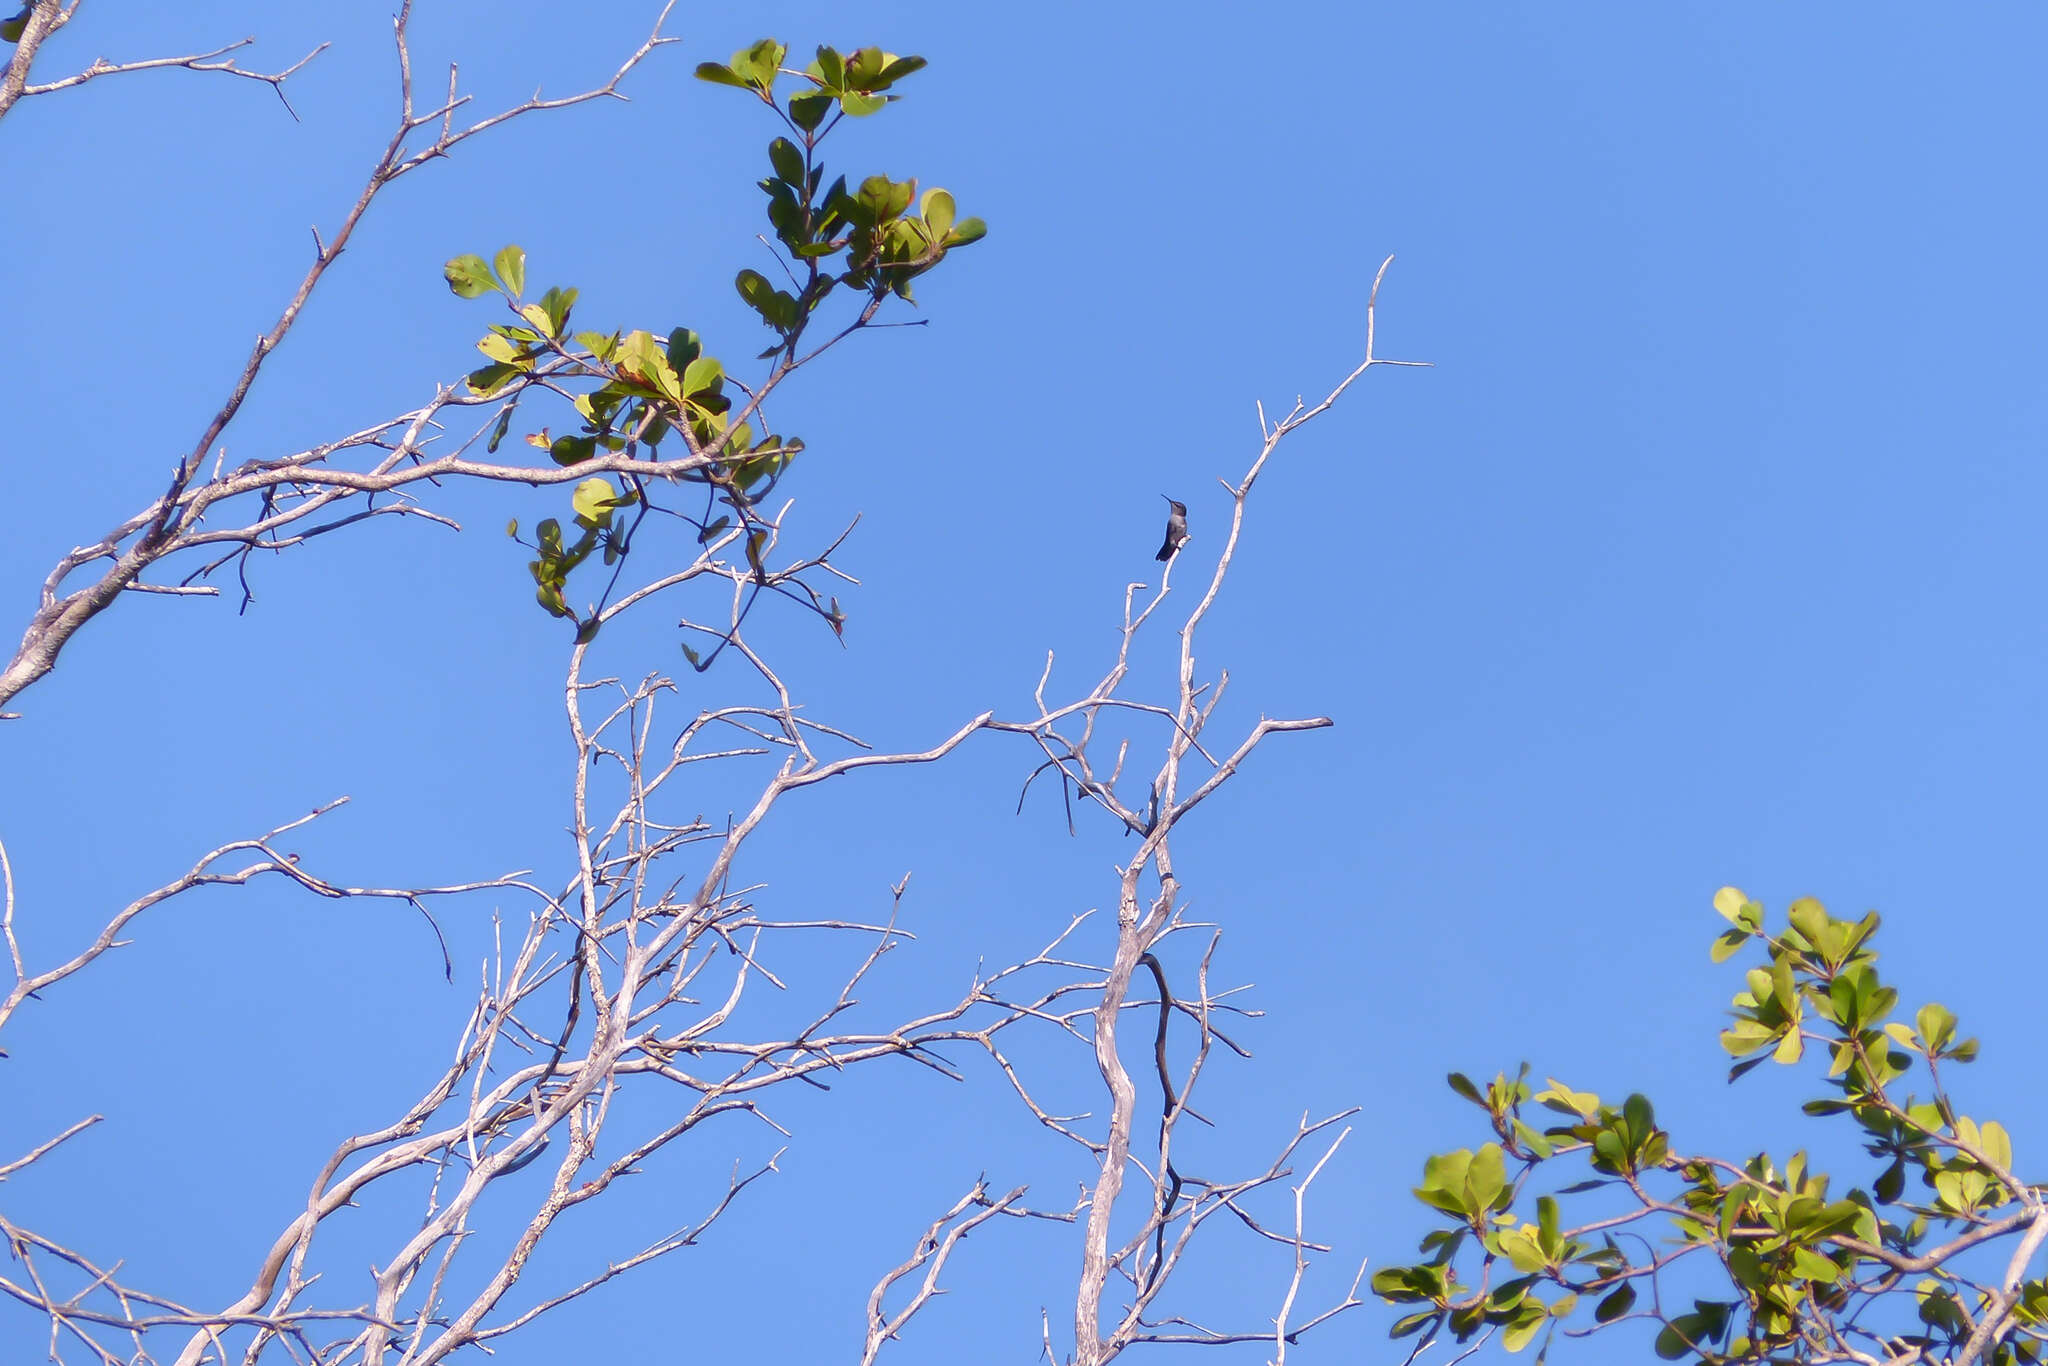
pixel 511 269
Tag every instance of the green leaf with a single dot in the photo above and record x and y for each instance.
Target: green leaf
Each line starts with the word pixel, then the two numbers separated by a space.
pixel 1463 1086
pixel 864 66
pixel 808 111
pixel 1487 1177
pixel 1996 1144
pixel 1810 1265
pixel 1618 1302
pixel 572 450
pixel 512 528
pixel 595 498
pixel 1519 1246
pixel 829 69
pixel 499 349
pixel 1518 1334
pixel 490 378
pixel 1937 1025
pixel 759 294
pixel 549 595
pixel 640 358
pixel 1810 918
pixel 1443 1181
pixel 897 70
pixel 937 212
pixel 1407 1326
pixel 702 374
pixel 469 277
pixel 969 230
pixel 787 161
pixel 718 73
pixel 683 347
pixel 757 65
pixel 498 432
pixel 556 304
pixel 511 270
pixel 1672 1341
pixel 859 105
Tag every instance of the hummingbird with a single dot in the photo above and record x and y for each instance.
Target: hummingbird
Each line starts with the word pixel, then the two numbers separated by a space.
pixel 1176 528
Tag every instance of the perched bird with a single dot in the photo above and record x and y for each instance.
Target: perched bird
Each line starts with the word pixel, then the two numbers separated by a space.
pixel 1176 528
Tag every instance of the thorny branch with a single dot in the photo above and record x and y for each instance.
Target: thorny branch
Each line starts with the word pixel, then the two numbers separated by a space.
pixel 46 17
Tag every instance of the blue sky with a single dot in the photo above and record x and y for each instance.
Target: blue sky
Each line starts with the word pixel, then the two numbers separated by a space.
pixel 1707 552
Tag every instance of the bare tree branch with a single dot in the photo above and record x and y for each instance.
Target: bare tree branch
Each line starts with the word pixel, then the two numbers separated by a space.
pixel 46 17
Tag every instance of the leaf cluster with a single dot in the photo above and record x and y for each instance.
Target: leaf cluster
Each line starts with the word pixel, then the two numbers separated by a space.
pixel 1593 1206
pixel 631 390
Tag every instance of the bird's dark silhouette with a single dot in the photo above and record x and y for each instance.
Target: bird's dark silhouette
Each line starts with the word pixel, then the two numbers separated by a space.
pixel 1176 528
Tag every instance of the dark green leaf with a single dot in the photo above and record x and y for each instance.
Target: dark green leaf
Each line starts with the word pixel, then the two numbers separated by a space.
pixel 491 378
pixel 1406 1326
pixel 572 450
pixel 1674 1342
pixel 898 69
pixel 498 432
pixel 830 70
pixel 759 294
pixel 1617 1302
pixel 808 111
pixel 787 161
pixel 683 347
